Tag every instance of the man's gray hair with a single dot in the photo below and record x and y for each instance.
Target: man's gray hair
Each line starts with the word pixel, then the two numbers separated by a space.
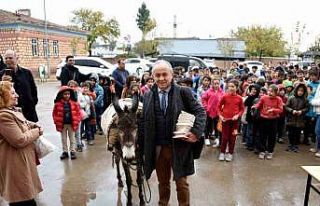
pixel 10 51
pixel 162 63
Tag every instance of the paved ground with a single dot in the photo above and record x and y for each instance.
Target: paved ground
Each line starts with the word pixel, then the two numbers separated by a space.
pixel 91 180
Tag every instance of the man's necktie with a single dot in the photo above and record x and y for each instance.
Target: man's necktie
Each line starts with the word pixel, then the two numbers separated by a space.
pixel 163 102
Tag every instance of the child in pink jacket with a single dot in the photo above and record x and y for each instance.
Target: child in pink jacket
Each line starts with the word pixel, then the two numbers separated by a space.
pixel 210 101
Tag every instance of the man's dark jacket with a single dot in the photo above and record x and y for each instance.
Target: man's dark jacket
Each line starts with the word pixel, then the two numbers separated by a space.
pixel 27 90
pixel 183 162
pixel 70 72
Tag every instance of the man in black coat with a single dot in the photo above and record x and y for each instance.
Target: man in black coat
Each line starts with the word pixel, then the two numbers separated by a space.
pixel 23 84
pixel 70 72
pixel 162 106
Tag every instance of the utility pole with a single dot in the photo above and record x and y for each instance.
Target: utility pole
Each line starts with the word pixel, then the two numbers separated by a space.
pixel 46 37
pixel 175 26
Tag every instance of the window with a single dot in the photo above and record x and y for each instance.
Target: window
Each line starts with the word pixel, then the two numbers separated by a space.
pixel 34 47
pixel 46 51
pixel 55 48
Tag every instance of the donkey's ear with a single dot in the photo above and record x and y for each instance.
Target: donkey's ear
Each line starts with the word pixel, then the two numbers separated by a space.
pixel 135 103
pixel 115 102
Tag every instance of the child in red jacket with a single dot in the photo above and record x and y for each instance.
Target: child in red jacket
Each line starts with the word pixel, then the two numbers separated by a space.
pixel 210 101
pixel 67 116
pixel 270 106
pixel 230 108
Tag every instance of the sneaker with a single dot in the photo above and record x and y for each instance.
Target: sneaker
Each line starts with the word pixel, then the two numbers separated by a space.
pixel 79 149
pixel 317 154
pixel 296 149
pixel 207 142
pixel 280 141
pixel 262 155
pixel 289 149
pixel 229 157
pixel 64 155
pixel 221 157
pixel 269 156
pixel 73 155
pixel 314 150
pixel 90 142
pixel 216 143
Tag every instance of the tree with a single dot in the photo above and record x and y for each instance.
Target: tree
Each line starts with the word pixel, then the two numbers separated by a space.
pixel 262 41
pixel 147 47
pixel 94 23
pixel 146 25
pixel 226 46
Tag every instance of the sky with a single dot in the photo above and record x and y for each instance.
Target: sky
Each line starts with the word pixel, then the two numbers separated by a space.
pixel 200 18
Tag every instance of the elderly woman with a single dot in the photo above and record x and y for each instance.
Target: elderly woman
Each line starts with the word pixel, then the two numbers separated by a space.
pixel 19 180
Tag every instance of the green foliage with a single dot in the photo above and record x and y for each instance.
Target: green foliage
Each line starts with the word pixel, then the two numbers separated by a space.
pixel 144 22
pixel 94 23
pixel 146 47
pixel 262 41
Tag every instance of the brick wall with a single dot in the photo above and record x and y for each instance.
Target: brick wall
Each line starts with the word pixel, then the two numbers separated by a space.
pixel 21 42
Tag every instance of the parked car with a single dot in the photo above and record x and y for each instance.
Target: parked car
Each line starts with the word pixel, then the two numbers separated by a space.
pixel 250 64
pixel 138 66
pixel 182 60
pixel 87 65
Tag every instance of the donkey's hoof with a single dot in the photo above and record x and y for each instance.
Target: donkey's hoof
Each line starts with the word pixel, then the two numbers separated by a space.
pixel 120 184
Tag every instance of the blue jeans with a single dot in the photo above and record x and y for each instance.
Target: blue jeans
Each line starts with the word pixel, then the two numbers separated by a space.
pixel 317 131
pixel 86 128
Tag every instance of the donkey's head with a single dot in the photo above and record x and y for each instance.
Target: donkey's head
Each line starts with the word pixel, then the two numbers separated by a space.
pixel 127 127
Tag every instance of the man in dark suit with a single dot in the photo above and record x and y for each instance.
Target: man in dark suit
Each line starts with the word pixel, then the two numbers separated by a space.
pixel 23 84
pixel 70 72
pixel 162 106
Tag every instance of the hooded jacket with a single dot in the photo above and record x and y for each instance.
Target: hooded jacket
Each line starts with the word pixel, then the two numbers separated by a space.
pixel 248 103
pixel 98 102
pixel 210 100
pixel 298 103
pixel 58 110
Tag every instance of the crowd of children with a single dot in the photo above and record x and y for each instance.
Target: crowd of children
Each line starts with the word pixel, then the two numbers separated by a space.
pixel 264 106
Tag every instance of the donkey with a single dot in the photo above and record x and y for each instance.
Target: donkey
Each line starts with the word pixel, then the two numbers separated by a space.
pixel 126 148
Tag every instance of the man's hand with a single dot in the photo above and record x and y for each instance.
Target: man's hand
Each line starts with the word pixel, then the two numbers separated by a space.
pixel 299 113
pixel 6 78
pixel 112 89
pixel 190 137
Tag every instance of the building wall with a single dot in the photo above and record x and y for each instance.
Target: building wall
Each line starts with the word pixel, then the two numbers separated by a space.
pixel 21 42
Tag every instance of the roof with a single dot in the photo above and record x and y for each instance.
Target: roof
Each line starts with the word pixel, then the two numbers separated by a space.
pixel 8 19
pixel 202 47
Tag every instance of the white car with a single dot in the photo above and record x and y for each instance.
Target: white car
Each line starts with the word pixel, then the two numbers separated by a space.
pixel 138 66
pixel 250 64
pixel 87 65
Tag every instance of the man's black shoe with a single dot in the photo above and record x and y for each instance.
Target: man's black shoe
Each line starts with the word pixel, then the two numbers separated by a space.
pixel 64 155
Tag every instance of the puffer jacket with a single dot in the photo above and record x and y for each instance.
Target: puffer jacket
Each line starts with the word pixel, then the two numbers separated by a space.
pixel 210 100
pixel 58 110
pixel 298 103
